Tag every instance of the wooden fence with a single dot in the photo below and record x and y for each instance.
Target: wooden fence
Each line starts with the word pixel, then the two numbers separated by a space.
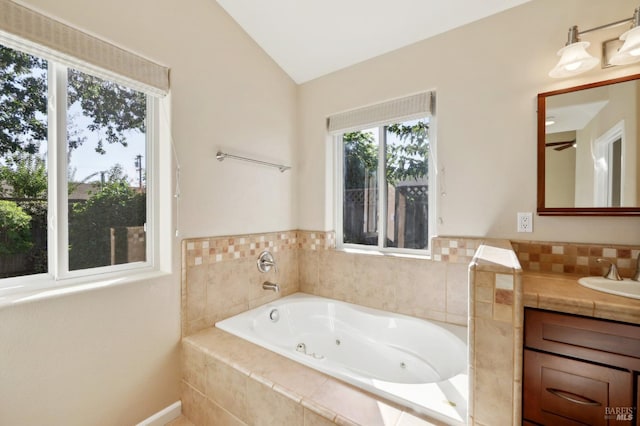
pixel 407 225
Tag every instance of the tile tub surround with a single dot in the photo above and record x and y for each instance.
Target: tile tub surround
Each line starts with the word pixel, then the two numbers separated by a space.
pixel 412 286
pixel 220 278
pixel 227 380
pixel 495 335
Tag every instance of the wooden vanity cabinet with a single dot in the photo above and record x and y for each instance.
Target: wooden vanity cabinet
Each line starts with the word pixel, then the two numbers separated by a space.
pixel 579 370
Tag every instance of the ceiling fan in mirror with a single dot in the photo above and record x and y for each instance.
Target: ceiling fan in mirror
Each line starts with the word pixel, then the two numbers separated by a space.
pixel 561 145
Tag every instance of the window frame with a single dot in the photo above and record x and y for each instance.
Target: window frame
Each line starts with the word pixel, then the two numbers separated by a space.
pixel 382 203
pixel 58 273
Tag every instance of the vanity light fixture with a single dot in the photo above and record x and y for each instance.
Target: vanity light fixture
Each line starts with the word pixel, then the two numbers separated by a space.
pixel 574 58
pixel 630 50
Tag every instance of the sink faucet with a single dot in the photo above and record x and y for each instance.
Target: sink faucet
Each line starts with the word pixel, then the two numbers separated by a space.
pixel 636 276
pixel 271 286
pixel 612 272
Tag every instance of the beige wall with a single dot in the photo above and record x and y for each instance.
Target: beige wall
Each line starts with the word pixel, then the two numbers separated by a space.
pixel 110 356
pixel 560 172
pixel 622 101
pixel 487 75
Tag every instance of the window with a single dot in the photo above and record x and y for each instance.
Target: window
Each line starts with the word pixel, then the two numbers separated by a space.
pixel 383 175
pixel 75 153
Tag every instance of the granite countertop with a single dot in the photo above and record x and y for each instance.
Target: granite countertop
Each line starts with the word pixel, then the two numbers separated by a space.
pixel 562 293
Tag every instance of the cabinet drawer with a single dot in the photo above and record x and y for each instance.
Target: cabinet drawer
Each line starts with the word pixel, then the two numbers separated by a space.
pixel 562 391
pixel 596 340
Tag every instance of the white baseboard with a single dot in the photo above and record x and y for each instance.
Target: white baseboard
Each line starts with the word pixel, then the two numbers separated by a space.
pixel 163 416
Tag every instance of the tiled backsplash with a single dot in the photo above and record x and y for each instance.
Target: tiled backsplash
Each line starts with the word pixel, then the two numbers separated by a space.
pixel 454 249
pixel 574 258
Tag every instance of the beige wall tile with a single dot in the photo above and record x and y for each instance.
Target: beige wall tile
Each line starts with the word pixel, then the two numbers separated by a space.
pixel 227 387
pixel 297 378
pixel 420 286
pixel 308 270
pixel 493 372
pixel 193 366
pixel 493 345
pixel 218 416
pixel 320 410
pixel 269 408
pixel 485 279
pixel 493 397
pixel 484 294
pixel 193 404
pixel 336 278
pixel 196 292
pixel 313 419
pixel 503 313
pixel 457 319
pixel 375 282
pixel 483 310
pixel 355 406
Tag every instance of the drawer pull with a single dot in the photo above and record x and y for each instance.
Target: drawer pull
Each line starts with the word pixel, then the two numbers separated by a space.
pixel 572 397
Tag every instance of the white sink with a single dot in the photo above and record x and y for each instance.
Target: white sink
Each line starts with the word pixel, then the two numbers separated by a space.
pixel 627 287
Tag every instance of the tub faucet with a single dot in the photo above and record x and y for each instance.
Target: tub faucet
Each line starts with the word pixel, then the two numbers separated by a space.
pixel 636 276
pixel 271 286
pixel 612 272
pixel 266 262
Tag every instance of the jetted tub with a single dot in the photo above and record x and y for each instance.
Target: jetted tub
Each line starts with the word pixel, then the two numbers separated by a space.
pixel 416 363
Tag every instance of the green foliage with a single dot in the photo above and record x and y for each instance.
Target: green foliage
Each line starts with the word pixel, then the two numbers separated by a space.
pixel 406 158
pixel 15 230
pixel 24 176
pixel 112 108
pixel 23 101
pixel 360 157
pixel 113 205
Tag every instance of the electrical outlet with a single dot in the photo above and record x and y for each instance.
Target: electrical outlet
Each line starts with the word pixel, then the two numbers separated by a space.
pixel 525 222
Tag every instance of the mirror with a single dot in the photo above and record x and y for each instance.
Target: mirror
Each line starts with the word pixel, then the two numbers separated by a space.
pixel 588 149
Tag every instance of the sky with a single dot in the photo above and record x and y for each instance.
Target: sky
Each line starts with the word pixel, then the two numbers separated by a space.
pixel 86 161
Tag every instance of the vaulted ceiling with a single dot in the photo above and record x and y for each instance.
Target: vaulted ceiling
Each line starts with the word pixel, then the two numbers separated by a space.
pixel 310 39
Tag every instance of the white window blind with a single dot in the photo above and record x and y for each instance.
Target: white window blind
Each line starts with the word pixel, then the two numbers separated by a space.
pixel 401 109
pixel 27 30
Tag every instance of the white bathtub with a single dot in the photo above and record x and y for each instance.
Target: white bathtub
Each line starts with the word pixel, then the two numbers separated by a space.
pixel 416 363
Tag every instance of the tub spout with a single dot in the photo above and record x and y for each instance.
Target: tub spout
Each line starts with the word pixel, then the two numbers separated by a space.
pixel 271 286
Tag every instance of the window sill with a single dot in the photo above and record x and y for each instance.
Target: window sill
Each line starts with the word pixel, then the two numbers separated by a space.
pixel 378 252
pixel 44 287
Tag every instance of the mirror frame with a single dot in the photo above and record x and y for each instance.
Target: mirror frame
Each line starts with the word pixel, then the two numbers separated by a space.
pixel 542 210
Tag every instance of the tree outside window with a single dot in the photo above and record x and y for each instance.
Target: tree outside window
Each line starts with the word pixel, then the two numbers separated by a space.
pixel 105 145
pixel 398 212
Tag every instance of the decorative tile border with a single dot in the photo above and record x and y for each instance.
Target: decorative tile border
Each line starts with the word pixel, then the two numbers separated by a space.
pixel 315 240
pixel 574 258
pixel 454 249
pixel 204 251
